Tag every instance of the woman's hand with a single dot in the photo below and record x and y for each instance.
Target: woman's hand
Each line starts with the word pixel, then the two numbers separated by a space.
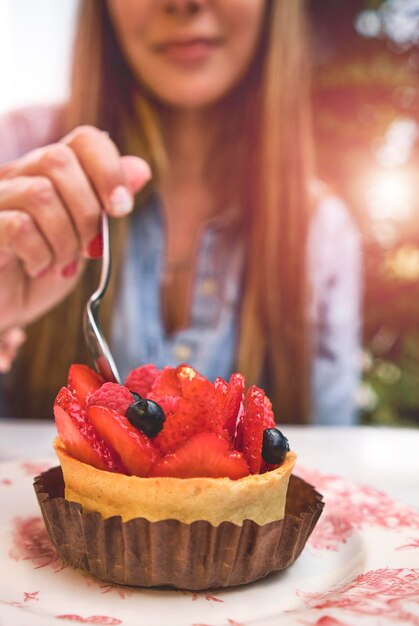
pixel 50 203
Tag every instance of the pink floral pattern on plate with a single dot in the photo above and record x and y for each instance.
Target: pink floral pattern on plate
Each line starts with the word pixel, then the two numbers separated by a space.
pixel 30 595
pixel 326 620
pixel 122 592
pixel 230 622
pixel 31 542
pixel 350 506
pixel 206 596
pixel 385 593
pixel 93 619
pixel 34 469
pixel 414 543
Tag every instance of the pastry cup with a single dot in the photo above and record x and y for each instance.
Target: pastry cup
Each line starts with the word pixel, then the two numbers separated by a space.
pixel 259 497
pixel 195 554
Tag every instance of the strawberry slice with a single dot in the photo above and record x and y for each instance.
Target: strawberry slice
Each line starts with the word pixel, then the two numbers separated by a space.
pixel 83 381
pixel 205 454
pixel 221 388
pixel 200 392
pixel 238 438
pixel 268 422
pixel 166 384
pixel 79 436
pixel 252 426
pixel 268 414
pixel 113 396
pixel 169 404
pixel 135 449
pixel 185 374
pixel 233 400
pixel 196 412
pixel 141 379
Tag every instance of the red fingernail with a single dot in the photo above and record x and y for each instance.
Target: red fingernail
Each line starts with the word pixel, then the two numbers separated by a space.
pixel 69 270
pixel 95 247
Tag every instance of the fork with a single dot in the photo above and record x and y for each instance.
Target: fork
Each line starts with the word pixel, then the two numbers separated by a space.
pixel 96 342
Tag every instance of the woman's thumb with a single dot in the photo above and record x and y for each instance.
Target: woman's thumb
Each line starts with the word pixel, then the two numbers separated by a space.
pixel 137 172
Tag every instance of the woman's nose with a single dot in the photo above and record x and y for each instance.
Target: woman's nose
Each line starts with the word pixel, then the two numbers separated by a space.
pixel 184 7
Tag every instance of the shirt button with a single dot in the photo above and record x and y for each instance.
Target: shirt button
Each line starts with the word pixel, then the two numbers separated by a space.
pixel 182 352
pixel 209 287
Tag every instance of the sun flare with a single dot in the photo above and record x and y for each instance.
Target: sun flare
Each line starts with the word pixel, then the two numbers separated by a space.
pixel 390 196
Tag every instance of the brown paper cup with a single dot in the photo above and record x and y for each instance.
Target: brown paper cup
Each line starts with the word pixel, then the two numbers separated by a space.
pixel 192 556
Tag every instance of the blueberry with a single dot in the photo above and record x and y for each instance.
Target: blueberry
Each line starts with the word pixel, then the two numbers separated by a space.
pixel 274 446
pixel 146 415
pixel 135 395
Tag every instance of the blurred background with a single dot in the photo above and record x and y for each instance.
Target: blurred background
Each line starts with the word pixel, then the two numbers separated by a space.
pixel 366 106
pixel 366 118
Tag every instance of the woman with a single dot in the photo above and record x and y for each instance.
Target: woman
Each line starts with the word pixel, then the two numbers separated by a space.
pixel 232 260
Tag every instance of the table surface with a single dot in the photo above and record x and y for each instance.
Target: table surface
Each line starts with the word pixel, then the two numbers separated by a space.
pixel 384 458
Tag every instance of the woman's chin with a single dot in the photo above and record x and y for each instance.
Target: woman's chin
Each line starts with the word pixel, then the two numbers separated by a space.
pixel 189 95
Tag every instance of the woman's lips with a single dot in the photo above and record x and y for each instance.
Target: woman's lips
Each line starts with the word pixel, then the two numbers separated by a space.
pixel 191 51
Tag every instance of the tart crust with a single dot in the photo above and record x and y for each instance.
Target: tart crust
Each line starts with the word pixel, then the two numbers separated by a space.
pixel 257 497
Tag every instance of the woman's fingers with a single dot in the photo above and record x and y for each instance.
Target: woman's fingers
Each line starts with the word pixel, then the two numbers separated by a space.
pixel 137 172
pixel 63 187
pixel 100 159
pixel 38 197
pixel 20 237
pixel 59 165
pixel 50 204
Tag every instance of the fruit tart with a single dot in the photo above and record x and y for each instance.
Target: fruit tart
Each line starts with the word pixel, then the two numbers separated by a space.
pixel 172 480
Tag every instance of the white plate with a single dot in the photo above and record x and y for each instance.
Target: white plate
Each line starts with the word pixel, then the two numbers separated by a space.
pixel 357 568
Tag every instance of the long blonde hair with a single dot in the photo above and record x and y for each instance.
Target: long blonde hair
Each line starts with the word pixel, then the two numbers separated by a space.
pixel 268 181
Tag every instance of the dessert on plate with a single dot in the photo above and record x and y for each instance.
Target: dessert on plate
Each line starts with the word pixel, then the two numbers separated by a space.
pixel 172 480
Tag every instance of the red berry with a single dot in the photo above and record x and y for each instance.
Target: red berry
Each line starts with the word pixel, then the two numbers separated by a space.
pixel 233 400
pixel 205 454
pixel 238 438
pixel 220 387
pixel 169 404
pixel 185 375
pixel 79 435
pixel 268 422
pixel 135 449
pixel 112 396
pixel 166 383
pixel 253 428
pixel 201 392
pixel 83 381
pixel 268 414
pixel 196 412
pixel 141 379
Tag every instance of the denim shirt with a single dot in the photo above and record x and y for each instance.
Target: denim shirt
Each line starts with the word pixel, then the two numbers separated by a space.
pixel 210 340
pixel 138 334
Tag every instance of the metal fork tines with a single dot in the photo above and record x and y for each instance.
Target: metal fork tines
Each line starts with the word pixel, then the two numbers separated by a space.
pixel 96 343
